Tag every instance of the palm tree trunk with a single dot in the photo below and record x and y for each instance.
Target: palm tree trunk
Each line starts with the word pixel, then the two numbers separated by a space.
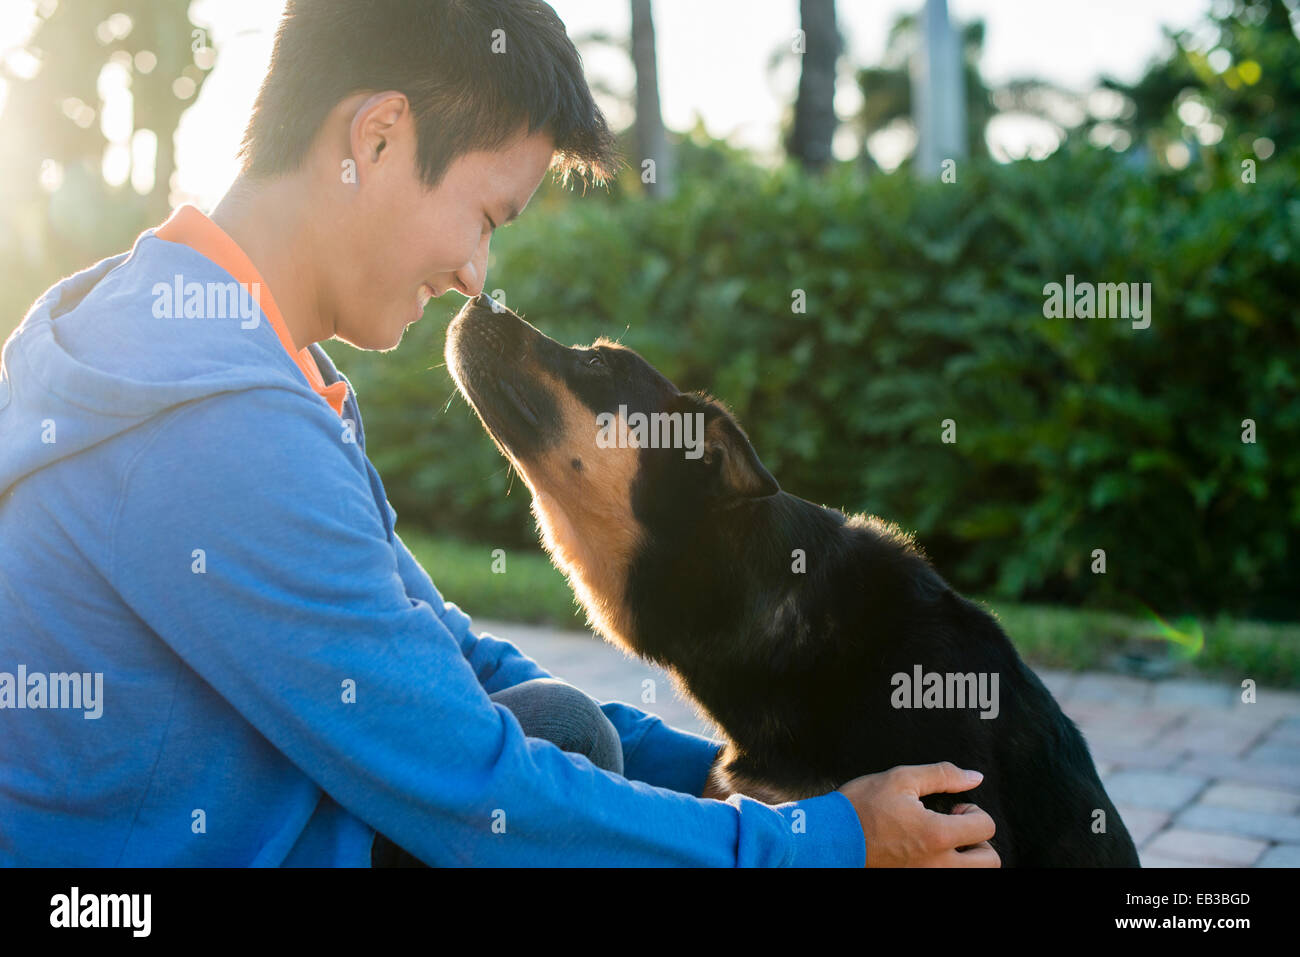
pixel 651 138
pixel 814 110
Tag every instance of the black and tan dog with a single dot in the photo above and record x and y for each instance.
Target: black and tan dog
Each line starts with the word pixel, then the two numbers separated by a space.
pixel 824 646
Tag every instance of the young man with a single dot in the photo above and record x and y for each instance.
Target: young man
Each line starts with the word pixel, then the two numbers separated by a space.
pixel 219 650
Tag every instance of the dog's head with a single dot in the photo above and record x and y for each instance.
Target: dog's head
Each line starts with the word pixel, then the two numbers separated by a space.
pixel 613 453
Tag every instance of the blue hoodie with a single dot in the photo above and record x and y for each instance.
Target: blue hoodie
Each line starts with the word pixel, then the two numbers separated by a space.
pixel 215 650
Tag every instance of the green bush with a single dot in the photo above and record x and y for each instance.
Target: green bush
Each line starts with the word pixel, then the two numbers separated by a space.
pixel 925 303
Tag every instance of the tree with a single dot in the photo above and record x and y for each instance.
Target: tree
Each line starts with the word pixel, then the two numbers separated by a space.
pixel 1243 92
pixel 887 90
pixel 651 139
pixel 814 111
pixel 61 213
pixel 937 93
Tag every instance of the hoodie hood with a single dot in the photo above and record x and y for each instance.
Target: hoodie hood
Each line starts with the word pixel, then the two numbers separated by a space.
pixel 130 338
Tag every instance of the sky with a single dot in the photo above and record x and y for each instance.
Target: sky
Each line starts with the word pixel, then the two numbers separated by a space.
pixel 714 64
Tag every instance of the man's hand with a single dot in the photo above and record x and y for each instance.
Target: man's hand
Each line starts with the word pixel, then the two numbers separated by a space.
pixel 902 832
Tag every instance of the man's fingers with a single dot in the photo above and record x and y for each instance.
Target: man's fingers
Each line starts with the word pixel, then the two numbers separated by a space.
pixel 972 826
pixel 942 778
pixel 981 855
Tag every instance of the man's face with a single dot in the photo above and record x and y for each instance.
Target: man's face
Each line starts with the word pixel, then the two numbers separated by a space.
pixel 409 243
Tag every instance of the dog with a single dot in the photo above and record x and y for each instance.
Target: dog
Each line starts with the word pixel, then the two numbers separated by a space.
pixel 824 646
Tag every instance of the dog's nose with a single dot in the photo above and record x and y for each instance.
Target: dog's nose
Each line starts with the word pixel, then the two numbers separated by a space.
pixel 477 304
pixel 484 301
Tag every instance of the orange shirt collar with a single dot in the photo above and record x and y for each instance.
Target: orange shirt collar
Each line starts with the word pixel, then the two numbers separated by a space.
pixel 190 227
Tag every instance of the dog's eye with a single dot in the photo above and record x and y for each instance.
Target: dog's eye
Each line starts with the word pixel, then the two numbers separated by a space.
pixel 596 361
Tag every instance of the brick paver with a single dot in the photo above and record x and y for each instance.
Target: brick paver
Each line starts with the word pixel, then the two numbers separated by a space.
pixel 1289 726
pixel 1150 858
pixel 1116 689
pixel 1284 828
pixel 1275 704
pixel 1284 732
pixel 1207 848
pixel 1283 855
pixel 1142 822
pixel 1138 731
pixel 1285 755
pixel 1060 683
pixel 1262 773
pixel 1212 731
pixel 1194 693
pixel 1161 790
pixel 1120 757
pixel 1248 798
pixel 1200 778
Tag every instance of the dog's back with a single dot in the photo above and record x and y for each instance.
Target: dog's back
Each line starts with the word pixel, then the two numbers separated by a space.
pixel 803 673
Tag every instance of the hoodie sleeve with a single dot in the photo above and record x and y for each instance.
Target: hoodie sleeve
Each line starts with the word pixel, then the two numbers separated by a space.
pixel 653 751
pixel 247 537
pixel 497 664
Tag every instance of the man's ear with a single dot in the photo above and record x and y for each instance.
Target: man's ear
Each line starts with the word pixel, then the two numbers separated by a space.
pixel 733 463
pixel 373 122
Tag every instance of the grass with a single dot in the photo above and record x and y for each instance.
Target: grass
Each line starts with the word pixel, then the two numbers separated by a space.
pixel 531 590
pixel 1076 639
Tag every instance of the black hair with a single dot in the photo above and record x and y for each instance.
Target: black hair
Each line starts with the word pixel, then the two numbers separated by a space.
pixel 470 87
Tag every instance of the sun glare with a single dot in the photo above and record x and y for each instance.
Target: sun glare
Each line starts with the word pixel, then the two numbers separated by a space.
pixel 17 22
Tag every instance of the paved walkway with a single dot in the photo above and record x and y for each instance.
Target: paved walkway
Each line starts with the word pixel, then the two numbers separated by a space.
pixel 1201 779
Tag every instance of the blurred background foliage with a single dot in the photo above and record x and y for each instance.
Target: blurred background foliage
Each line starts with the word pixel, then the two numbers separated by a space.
pixel 924 302
pixel 84 171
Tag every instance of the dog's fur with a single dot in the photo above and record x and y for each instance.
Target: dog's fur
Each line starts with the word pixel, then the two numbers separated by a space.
pixel 691 563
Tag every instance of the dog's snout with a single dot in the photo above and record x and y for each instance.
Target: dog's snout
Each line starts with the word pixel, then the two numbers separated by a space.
pixel 476 305
pixel 487 313
pixel 485 334
pixel 487 320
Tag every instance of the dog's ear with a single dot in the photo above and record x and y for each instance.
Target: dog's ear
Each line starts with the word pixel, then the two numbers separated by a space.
pixel 733 465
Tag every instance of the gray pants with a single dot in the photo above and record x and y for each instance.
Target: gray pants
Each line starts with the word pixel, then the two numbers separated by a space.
pixel 545 708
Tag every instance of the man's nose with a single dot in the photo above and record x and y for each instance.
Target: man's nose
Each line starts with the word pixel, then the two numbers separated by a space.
pixel 471 276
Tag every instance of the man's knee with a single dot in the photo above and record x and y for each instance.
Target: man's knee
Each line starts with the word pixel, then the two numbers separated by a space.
pixel 567 717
